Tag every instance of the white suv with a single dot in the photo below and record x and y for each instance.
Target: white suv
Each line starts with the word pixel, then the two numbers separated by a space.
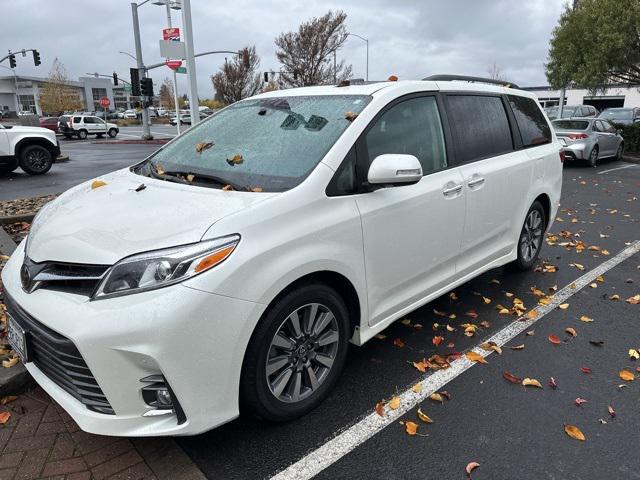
pixel 83 125
pixel 234 266
pixel 34 149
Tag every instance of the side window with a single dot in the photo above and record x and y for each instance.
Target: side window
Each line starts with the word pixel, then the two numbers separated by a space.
pixel 533 127
pixel 88 120
pixel 608 127
pixel 598 127
pixel 480 126
pixel 77 119
pixel 411 127
pixel 97 120
pixel 344 180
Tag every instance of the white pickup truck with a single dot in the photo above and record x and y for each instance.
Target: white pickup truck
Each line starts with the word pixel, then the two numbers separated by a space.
pixel 33 149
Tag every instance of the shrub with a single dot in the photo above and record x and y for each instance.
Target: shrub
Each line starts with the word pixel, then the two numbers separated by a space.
pixel 631 135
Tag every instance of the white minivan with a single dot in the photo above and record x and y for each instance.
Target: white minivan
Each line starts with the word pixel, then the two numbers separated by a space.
pixel 230 270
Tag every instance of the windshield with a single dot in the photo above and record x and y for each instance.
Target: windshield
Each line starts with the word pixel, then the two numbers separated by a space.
pixel 267 144
pixel 570 124
pixel 617 114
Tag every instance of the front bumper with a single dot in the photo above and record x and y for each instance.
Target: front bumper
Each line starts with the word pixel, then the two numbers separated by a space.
pixel 196 340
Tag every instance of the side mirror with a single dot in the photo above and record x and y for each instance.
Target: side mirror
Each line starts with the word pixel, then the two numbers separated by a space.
pixel 394 169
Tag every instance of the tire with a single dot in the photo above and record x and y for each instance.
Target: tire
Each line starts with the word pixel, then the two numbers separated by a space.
pixel 620 151
pixel 35 159
pixel 112 133
pixel 593 157
pixel 279 391
pixel 531 237
pixel 82 134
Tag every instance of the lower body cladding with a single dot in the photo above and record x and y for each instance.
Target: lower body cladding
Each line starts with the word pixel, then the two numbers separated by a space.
pixel 167 361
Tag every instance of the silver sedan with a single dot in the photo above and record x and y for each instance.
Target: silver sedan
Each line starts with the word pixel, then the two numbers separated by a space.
pixel 588 139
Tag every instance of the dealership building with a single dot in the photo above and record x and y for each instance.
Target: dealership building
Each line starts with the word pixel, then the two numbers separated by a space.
pixel 616 95
pixel 19 93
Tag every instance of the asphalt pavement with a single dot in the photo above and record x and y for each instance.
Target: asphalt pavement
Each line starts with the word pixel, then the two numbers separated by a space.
pixel 513 431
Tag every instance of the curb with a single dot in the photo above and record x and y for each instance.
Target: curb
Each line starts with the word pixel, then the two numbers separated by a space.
pixel 25 217
pixel 631 158
pixel 15 380
pixel 155 141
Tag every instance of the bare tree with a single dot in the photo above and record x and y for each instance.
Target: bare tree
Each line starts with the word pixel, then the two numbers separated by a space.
pixel 238 78
pixel 166 93
pixel 495 72
pixel 307 55
pixel 57 95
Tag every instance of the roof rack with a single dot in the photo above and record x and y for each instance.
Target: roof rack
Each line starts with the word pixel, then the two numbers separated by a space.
pixel 464 78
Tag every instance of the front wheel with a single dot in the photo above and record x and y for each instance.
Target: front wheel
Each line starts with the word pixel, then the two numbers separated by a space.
pixel 36 160
pixel 82 134
pixel 531 236
pixel 296 353
pixel 620 151
pixel 593 157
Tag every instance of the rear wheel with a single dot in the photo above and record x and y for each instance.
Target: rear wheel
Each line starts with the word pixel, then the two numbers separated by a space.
pixel 531 236
pixel 593 157
pixel 296 353
pixel 113 132
pixel 82 134
pixel 35 160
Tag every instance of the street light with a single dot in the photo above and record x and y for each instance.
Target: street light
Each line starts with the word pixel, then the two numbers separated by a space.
pixel 366 40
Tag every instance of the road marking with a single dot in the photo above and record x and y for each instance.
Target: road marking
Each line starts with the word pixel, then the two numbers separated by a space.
pixel 618 168
pixel 343 443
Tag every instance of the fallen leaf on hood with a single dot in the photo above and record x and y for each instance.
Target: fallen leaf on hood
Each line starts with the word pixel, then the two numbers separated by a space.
pixel 552 382
pixel 235 160
pixel 190 177
pixel 634 354
pixel 475 357
pixel 574 432
pixel 471 467
pixel 571 331
pixel 531 382
pixel 398 343
pixel 612 412
pixel 555 339
pixel 626 375
pixel 380 409
pixel 511 378
pixel 437 340
pixel 10 362
pixel 417 388
pixel 140 187
pixel 424 417
pixel 4 417
pixel 436 397
pixel 97 184
pixel 635 300
pixel 228 188
pixel 585 369
pixel 411 428
pixel 586 319
pixel 394 403
pixel 579 401
pixel 256 189
pixel 203 146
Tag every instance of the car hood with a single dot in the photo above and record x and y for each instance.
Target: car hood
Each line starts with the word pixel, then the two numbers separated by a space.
pixel 35 130
pixel 105 224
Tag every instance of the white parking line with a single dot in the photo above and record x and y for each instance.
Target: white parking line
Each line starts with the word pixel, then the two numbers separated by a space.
pixel 618 168
pixel 343 443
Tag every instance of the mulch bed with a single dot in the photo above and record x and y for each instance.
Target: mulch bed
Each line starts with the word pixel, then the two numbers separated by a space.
pixel 23 206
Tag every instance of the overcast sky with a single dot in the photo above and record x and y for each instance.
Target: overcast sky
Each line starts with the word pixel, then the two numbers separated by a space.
pixel 411 39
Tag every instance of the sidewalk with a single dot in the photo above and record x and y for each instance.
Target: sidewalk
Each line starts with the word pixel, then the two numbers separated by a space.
pixel 41 440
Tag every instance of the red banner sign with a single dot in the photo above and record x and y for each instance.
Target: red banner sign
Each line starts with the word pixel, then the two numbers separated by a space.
pixel 171 34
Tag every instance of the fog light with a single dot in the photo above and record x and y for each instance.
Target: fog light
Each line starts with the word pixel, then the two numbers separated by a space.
pixel 164 398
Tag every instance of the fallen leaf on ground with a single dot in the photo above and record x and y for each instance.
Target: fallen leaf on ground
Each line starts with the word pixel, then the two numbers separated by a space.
pixel 555 339
pixel 571 331
pixel 518 347
pixel 634 354
pixel 626 375
pixel 511 378
pixel 635 300
pixel 405 321
pixel 436 397
pixel 491 346
pixel 586 319
pixel 10 362
pixel 585 369
pixel 97 184
pixel 453 296
pixel 424 417
pixel 420 366
pixel 574 432
pixel 531 382
pixel 532 314
pixel 563 306
pixel 615 296
pixel 394 403
pixel 612 412
pixel 437 340
pixel 380 336
pixel 380 409
pixel 417 388
pixel 579 401
pixel 552 382
pixel 4 417
pixel 411 427
pixel 471 467
pixel 475 357
pixel 8 399
pixel 398 343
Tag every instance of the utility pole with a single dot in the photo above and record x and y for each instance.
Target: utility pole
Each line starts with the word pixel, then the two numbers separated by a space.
pixel 146 129
pixel 191 62
pixel 175 75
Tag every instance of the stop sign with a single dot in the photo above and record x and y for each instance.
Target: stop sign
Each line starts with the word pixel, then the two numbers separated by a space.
pixel 105 102
pixel 173 64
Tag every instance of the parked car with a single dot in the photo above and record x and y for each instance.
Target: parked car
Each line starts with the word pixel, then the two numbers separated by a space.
pixel 130 114
pixel 50 122
pixel 588 139
pixel 572 111
pixel 34 149
pixel 185 118
pixel 624 116
pixel 268 239
pixel 83 125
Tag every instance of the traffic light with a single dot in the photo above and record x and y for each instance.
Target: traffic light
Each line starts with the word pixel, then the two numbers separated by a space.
pixel 135 81
pixel 12 61
pixel 146 87
pixel 266 77
pixel 36 58
pixel 115 78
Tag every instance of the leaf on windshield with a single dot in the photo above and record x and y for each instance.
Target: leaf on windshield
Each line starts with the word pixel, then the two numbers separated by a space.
pixel 236 160
pixel 203 146
pixel 190 177
pixel 227 188
pixel 256 189
pixel 351 116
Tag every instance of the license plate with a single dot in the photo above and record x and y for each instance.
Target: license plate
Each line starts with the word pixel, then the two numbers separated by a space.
pixel 17 339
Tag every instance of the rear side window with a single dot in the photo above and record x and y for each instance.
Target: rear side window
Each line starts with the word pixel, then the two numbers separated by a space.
pixel 411 127
pixel 534 128
pixel 480 126
pixel 77 119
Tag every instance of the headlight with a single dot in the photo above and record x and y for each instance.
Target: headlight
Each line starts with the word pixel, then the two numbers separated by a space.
pixel 160 268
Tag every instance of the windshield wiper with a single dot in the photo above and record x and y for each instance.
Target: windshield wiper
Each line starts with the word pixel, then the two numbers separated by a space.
pixel 204 178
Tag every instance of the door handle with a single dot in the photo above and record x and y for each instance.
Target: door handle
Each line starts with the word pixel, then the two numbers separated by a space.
pixel 452 190
pixel 475 181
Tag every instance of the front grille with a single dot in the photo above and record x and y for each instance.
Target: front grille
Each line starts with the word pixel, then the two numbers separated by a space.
pixel 58 358
pixel 64 277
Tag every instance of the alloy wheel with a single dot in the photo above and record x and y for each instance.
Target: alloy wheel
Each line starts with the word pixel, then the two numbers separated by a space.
pixel 37 159
pixel 302 353
pixel 531 237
